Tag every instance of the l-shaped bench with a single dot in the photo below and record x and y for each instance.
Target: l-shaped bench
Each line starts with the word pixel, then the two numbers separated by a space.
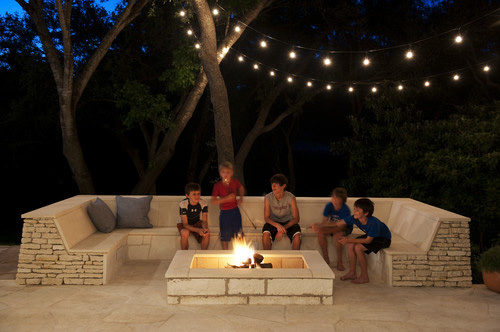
pixel 60 245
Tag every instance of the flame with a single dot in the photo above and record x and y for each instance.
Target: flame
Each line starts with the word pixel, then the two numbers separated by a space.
pixel 242 251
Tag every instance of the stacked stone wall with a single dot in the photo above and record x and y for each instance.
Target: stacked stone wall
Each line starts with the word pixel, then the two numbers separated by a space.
pixel 44 260
pixel 447 264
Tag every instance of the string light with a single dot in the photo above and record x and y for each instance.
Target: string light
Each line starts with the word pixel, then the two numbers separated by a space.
pixel 309 84
pixel 237 28
pixel 409 55
pixel 456 77
pixel 215 11
pixel 400 87
pixel 366 61
pixel 240 58
pixel 427 84
pixel 458 39
pixel 272 73
pixel 351 89
pixel 374 89
pixel 182 13
pixel 486 68
pixel 328 87
pixel 197 45
pixel 289 79
pixel 255 66
pixel 327 61
pixel 292 55
pixel 263 44
pixel 190 32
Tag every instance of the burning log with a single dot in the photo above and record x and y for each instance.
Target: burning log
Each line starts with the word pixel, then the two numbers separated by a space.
pixel 247 264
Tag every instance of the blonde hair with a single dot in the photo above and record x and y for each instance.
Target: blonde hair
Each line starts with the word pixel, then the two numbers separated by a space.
pixel 225 164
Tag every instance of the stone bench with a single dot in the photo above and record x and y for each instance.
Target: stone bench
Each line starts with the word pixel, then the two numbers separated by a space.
pixel 60 245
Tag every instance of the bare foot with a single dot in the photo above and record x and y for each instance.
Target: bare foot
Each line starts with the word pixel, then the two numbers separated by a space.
pixel 340 267
pixel 360 280
pixel 348 277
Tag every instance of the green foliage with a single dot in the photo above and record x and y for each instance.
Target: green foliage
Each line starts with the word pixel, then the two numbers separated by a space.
pixel 143 106
pixel 490 260
pixel 452 162
pixel 184 68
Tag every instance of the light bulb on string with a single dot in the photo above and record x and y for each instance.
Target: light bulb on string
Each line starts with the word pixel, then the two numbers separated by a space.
pixel 427 84
pixel 374 89
pixel 237 28
pixel 289 79
pixel 215 11
pixel 309 84
pixel 272 73
pixel 182 13
pixel 292 55
pixel 400 87
pixel 190 32
pixel 366 61
pixel 256 66
pixel 263 44
pixel 328 87
pixel 240 58
pixel 409 54
pixel 350 89
pixel 327 61
pixel 197 46
pixel 458 39
pixel 456 77
pixel 486 68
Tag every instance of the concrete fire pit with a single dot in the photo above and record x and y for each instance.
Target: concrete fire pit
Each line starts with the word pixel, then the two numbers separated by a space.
pixel 297 277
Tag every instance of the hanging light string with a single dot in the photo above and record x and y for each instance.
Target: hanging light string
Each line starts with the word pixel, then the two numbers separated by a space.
pixel 405 45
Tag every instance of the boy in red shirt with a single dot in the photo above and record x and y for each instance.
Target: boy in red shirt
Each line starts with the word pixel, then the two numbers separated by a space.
pixel 224 193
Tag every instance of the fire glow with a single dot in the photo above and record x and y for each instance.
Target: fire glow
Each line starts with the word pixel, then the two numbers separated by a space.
pixel 242 252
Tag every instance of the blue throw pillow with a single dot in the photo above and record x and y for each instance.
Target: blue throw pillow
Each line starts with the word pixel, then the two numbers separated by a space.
pixel 132 212
pixel 101 215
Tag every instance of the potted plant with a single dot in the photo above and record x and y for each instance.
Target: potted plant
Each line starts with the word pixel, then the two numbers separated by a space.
pixel 489 262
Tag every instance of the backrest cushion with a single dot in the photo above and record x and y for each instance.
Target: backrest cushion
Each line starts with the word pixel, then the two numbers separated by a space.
pixel 102 217
pixel 132 212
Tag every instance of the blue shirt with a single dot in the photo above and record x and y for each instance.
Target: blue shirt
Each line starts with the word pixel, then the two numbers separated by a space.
pixel 335 215
pixel 373 228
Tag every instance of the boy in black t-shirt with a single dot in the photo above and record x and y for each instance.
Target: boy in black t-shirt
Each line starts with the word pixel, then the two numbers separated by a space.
pixel 193 217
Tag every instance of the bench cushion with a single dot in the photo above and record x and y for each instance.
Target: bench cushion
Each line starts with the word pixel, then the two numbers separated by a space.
pixel 101 215
pixel 133 212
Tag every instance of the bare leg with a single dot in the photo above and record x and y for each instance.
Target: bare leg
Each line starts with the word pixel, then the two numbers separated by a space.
pixel 360 254
pixel 352 263
pixel 296 242
pixel 185 239
pixel 205 240
pixel 225 245
pixel 324 246
pixel 338 249
pixel 266 240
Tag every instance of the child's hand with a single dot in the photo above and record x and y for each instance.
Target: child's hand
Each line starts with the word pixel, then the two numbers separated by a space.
pixel 342 240
pixel 230 197
pixel 315 227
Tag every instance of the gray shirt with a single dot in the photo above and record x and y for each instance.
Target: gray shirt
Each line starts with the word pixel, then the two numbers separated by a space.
pixel 281 210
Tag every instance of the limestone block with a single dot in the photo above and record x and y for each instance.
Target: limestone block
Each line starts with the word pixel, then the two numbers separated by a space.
pixel 95 258
pixel 55 241
pixel 246 286
pixel 36 281
pixel 70 258
pixel 52 281
pixel 405 273
pixel 283 300
pixel 202 300
pixel 407 283
pixel 300 287
pixel 134 239
pixel 138 252
pixel 173 299
pixel 50 236
pixel 456 253
pixel 196 287
pixel 93 282
pixel 26 258
pixel 423 273
pixel 40 240
pixel 73 281
pixel 327 299
pixel 46 257
pixel 29 246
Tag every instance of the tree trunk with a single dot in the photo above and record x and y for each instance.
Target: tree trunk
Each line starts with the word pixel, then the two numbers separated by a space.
pixel 70 87
pixel 218 91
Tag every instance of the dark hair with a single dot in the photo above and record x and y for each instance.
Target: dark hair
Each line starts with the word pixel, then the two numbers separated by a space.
pixel 366 205
pixel 279 179
pixel 191 187
pixel 340 192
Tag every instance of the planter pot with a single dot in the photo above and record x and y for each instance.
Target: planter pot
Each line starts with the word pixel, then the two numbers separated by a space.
pixel 492 280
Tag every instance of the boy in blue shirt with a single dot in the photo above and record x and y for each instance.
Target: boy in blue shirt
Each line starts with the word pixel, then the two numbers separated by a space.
pixel 377 236
pixel 334 211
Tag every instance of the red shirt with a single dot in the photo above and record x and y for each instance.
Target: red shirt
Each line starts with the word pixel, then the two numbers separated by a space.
pixel 222 190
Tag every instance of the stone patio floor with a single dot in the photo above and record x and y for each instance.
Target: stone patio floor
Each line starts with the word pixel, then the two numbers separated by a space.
pixel 135 301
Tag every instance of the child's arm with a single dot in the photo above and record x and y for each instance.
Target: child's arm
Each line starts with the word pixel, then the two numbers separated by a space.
pixel 189 227
pixel 218 200
pixel 295 212
pixel 344 240
pixel 204 220
pixel 241 191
